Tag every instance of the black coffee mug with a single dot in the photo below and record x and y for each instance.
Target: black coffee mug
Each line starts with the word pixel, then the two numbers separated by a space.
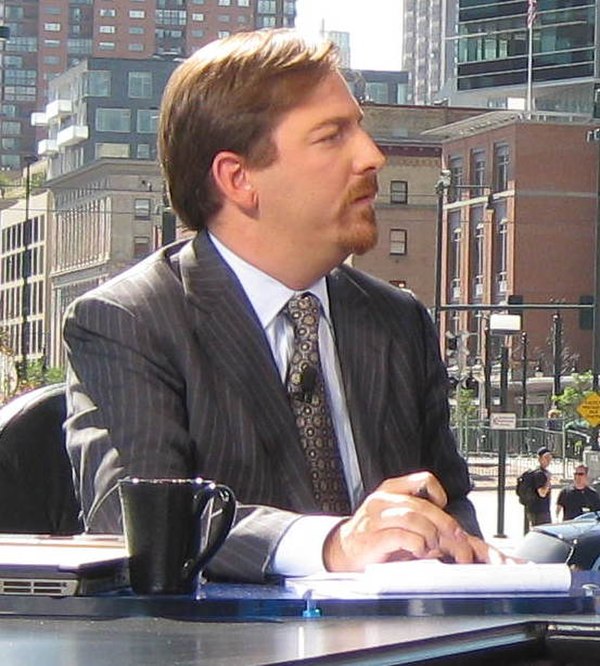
pixel 163 531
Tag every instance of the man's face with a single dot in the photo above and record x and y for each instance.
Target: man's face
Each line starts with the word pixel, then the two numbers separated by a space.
pixel 317 197
pixel 545 460
pixel 580 478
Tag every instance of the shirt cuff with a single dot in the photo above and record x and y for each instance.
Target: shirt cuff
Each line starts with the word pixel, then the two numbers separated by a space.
pixel 300 550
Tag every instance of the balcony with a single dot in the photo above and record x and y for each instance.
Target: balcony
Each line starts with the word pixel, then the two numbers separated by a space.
pixel 38 119
pixel 59 109
pixel 72 135
pixel 47 147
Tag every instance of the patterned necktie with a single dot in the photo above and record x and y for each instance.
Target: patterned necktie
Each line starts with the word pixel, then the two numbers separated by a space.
pixel 306 390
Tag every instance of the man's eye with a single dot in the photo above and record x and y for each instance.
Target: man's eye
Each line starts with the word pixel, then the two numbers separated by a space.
pixel 333 136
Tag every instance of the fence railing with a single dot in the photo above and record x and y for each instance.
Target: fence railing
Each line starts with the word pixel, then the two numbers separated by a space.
pixel 479 445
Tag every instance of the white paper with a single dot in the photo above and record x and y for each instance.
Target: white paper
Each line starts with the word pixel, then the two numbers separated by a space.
pixel 434 577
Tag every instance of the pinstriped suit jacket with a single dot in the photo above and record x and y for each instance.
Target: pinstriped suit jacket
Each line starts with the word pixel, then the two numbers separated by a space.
pixel 170 374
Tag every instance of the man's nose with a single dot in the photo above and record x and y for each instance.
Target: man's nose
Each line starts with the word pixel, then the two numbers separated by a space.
pixel 370 156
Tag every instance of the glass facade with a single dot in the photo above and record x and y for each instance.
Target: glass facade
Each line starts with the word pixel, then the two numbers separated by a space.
pixel 492 44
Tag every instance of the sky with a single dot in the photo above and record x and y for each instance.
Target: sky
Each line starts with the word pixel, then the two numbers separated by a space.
pixel 375 35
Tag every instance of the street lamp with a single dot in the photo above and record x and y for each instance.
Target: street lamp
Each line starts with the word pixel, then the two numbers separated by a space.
pixel 442 185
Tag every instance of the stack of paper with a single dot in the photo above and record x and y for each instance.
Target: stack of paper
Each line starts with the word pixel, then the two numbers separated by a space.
pixel 434 577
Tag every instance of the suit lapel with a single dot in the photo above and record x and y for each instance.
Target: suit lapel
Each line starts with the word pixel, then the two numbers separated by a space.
pixel 363 348
pixel 228 329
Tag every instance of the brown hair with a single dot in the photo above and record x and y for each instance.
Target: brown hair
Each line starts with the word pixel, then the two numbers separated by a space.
pixel 229 95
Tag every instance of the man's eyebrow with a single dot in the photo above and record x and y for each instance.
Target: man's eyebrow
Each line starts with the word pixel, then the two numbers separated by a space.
pixel 338 121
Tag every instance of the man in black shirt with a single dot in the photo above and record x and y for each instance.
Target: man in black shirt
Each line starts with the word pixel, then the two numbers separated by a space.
pixel 578 498
pixel 538 510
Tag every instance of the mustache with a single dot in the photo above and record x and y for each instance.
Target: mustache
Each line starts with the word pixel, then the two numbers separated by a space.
pixel 366 187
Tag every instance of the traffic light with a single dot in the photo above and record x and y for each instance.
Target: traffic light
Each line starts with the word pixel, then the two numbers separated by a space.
pixel 451 344
pixel 471 384
pixel 452 383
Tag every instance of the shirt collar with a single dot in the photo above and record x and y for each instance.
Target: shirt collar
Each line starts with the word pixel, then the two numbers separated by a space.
pixel 266 294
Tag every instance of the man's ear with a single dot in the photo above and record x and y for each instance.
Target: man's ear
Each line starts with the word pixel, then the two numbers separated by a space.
pixel 231 176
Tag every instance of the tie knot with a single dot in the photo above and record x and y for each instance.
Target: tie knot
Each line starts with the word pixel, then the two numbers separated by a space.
pixel 304 309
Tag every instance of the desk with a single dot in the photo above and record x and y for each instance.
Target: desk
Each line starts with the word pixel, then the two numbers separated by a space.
pixel 162 642
pixel 123 631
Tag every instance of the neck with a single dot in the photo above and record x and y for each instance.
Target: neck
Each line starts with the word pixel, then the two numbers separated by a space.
pixel 295 267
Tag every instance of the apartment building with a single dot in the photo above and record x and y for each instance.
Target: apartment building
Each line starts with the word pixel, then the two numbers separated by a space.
pixel 49 36
pixel 518 226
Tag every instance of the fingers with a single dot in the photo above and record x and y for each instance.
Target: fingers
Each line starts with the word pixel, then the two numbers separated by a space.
pixel 388 524
pixel 421 484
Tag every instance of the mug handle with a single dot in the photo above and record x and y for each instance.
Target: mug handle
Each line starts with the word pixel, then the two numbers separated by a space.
pixel 209 491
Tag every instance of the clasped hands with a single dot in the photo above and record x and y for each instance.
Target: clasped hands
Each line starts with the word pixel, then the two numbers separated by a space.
pixel 404 519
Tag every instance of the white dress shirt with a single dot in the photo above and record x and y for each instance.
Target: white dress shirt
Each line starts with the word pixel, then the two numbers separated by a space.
pixel 300 550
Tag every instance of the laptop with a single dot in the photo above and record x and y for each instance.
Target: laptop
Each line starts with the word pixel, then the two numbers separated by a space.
pixel 62 566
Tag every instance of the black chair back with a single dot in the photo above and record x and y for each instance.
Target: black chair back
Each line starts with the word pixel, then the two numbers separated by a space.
pixel 36 482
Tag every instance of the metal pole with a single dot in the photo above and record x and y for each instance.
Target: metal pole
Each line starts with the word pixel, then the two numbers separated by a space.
pixel 26 272
pixel 487 369
pixel 596 320
pixel 437 294
pixel 557 351
pixel 502 441
pixel 524 377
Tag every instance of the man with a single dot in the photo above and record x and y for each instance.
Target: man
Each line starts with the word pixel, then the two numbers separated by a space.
pixel 179 367
pixel 578 498
pixel 538 508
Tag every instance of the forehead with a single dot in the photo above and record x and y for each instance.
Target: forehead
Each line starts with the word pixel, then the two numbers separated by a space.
pixel 329 101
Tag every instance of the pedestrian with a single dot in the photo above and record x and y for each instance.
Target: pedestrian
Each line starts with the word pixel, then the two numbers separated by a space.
pixel 538 506
pixel 579 497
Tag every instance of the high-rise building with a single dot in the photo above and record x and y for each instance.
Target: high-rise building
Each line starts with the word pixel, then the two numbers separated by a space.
pixel 487 54
pixel 422 53
pixel 49 36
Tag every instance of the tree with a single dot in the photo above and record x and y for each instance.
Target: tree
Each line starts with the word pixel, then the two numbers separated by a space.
pixel 462 413
pixel 573 395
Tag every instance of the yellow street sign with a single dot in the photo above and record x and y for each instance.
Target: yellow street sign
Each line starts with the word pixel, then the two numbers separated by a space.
pixel 589 409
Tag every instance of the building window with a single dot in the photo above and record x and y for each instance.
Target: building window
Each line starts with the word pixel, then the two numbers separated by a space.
pixel 501 167
pixel 398 238
pixel 134 46
pixel 97 83
pixel 224 3
pixel 107 29
pixel 267 6
pixel 243 3
pixel 266 21
pixel 223 33
pixel 197 17
pixel 143 151
pixel 223 18
pixel 477 173
pixel 141 247
pixel 113 120
pixel 106 46
pixel 137 13
pixel 108 12
pixel 135 30
pixel 141 209
pixel 147 121
pixel 399 191
pixel 198 33
pixel 139 85
pixel 456 178
pixel 120 150
pixel 52 27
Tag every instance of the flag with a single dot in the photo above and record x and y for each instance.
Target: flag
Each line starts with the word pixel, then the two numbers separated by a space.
pixel 531 12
